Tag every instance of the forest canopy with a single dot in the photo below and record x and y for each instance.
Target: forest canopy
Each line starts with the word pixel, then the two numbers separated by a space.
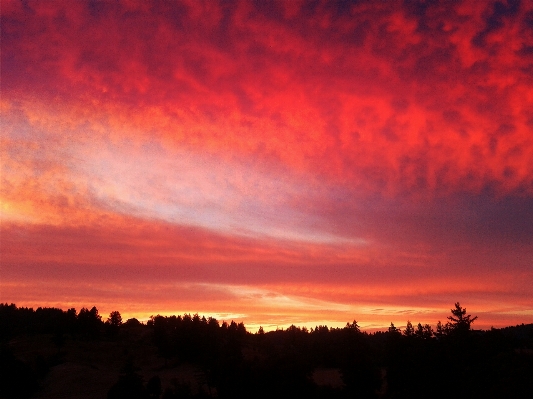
pixel 230 361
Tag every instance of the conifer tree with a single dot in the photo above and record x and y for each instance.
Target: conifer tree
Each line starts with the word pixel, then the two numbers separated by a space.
pixel 409 329
pixel 459 322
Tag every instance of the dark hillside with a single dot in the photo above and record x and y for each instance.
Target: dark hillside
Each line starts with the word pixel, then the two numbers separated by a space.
pixel 50 353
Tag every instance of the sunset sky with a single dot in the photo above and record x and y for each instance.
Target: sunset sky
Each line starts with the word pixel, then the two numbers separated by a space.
pixel 277 163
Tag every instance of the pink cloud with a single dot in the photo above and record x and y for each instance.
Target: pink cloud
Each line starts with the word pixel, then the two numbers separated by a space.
pixel 367 145
pixel 266 65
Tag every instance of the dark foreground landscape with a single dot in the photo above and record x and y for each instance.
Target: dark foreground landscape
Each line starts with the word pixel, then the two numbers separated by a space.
pixel 51 353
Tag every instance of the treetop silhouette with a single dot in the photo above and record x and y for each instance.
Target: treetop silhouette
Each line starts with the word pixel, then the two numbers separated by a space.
pixel 459 320
pixel 115 319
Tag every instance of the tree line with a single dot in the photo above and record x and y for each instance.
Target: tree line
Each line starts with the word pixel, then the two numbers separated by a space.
pixel 451 360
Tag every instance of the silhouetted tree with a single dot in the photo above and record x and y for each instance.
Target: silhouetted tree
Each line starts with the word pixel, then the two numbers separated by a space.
pixel 423 331
pixel 352 326
pixel 460 322
pixel 89 322
pixel 409 330
pixel 212 322
pixel 133 322
pixel 393 329
pixel 115 319
pixel 233 363
pixel 320 330
pixel 441 330
pixel 71 320
pixel 113 323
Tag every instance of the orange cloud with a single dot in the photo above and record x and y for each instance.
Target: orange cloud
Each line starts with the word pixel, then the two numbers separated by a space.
pixel 365 152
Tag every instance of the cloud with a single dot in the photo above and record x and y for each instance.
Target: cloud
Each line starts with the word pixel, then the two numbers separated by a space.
pixel 295 89
pixel 320 144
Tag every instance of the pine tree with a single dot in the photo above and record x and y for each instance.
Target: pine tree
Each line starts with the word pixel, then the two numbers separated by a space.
pixel 352 327
pixel 428 331
pixel 409 329
pixel 393 329
pixel 459 322
pixel 441 330
pixel 419 331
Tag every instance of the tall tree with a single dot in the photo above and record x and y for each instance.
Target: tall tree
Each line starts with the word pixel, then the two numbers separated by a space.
pixel 441 330
pixel 89 321
pixel 115 319
pixel 393 329
pixel 409 330
pixel 428 331
pixel 460 322
pixel 113 323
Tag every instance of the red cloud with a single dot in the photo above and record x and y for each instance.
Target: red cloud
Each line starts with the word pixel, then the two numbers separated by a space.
pixel 402 129
pixel 384 98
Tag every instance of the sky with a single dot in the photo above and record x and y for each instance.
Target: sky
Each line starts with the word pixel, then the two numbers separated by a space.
pixel 276 163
